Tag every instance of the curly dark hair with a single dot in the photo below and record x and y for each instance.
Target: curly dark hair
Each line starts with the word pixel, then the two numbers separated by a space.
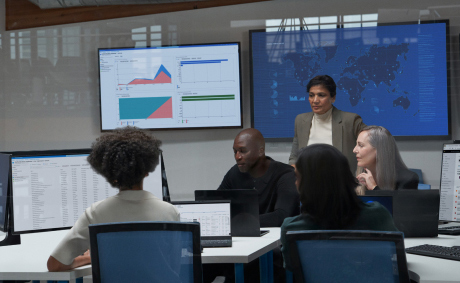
pixel 125 156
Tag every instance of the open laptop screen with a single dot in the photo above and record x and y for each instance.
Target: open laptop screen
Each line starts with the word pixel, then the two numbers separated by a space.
pixel 214 217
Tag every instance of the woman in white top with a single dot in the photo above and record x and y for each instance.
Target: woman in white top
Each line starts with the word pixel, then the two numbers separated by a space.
pixel 124 157
pixel 326 124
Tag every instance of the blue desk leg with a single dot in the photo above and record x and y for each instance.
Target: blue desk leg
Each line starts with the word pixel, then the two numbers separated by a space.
pixel 239 273
pixel 266 267
pixel 289 277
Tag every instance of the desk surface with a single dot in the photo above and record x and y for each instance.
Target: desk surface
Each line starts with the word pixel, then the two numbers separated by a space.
pixel 18 263
pixel 244 249
pixel 426 269
pixel 27 261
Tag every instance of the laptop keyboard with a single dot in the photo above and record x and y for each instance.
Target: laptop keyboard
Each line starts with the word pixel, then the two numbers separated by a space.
pixel 449 230
pixel 216 243
pixel 452 253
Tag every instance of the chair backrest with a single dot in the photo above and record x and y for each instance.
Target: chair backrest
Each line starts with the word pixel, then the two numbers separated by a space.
pixel 419 173
pixel 421 183
pixel 347 256
pixel 146 252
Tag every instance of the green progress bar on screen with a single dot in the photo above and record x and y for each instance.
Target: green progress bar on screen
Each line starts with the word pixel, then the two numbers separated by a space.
pixel 209 97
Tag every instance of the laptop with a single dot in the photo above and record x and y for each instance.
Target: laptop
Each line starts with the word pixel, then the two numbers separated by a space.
pixel 214 219
pixel 386 201
pixel 415 212
pixel 245 209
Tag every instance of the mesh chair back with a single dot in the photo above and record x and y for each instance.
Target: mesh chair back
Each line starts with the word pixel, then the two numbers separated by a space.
pixel 146 252
pixel 348 256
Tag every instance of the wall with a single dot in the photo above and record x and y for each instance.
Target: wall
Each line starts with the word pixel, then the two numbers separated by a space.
pixel 43 106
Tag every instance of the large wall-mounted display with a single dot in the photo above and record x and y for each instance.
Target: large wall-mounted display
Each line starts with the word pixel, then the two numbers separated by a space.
pixel 171 87
pixel 395 76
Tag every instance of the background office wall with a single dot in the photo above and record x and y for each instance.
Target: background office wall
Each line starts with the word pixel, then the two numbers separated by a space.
pixel 49 81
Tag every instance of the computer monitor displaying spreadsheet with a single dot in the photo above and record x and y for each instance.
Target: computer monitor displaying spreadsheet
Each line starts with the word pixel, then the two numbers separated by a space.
pixel 449 208
pixel 51 189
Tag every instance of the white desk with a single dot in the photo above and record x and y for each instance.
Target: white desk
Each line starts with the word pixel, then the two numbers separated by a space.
pixel 27 261
pixel 426 269
pixel 244 249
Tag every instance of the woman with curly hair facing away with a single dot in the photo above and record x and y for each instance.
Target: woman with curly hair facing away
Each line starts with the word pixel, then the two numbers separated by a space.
pixel 124 157
pixel 329 201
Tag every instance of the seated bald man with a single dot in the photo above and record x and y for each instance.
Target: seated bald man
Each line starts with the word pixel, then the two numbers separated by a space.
pixel 275 181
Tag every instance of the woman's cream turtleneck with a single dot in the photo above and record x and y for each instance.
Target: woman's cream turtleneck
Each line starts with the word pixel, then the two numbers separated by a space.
pixel 321 128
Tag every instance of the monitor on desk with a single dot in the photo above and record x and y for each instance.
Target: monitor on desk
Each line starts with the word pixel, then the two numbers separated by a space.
pixel 51 189
pixel 415 212
pixel 450 183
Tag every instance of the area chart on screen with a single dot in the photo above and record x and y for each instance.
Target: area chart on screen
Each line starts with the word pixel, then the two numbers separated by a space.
pixel 146 108
pixel 189 86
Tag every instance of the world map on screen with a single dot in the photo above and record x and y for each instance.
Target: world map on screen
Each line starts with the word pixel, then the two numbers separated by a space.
pixel 392 76
pixel 378 64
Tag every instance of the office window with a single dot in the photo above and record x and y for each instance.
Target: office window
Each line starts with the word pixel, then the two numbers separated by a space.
pixel 24 44
pixel 13 45
pixel 47 44
pixel 139 36
pixel 364 20
pixel 172 35
pixel 324 22
pixel 71 41
pixel 155 35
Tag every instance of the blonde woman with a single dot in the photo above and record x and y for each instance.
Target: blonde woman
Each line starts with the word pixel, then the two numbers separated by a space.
pixel 380 166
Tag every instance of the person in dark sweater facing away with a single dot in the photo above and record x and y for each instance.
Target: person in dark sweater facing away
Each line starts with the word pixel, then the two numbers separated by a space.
pixel 273 180
pixel 329 201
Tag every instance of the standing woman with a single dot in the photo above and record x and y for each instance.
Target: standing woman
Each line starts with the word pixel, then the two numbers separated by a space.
pixel 326 124
pixel 380 166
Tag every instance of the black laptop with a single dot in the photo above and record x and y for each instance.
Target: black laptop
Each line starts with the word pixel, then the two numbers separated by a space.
pixel 415 212
pixel 245 209
pixel 214 219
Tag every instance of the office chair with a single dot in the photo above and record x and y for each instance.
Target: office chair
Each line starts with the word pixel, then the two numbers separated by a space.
pixel 421 183
pixel 146 252
pixel 347 256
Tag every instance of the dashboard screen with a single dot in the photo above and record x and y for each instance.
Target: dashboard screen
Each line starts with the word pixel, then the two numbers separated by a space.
pixel 395 76
pixel 171 87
